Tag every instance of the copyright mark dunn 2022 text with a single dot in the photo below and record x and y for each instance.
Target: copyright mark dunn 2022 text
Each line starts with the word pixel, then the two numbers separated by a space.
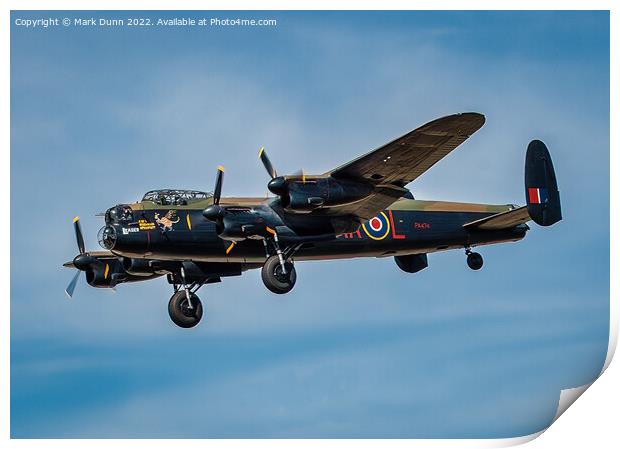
pixel 86 22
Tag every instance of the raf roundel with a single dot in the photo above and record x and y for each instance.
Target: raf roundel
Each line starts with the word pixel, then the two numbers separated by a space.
pixel 378 227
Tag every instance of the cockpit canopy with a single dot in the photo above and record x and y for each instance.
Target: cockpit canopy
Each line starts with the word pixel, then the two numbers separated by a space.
pixel 120 213
pixel 174 197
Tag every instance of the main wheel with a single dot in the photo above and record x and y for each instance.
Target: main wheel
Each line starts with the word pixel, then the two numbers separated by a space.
pixel 275 279
pixel 474 261
pixel 180 312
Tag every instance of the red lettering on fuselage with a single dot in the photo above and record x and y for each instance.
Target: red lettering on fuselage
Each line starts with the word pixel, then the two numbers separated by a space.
pixel 419 225
pixel 394 234
pixel 349 235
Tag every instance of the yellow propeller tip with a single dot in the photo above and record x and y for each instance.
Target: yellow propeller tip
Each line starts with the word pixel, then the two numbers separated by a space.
pixel 76 218
pixel 260 152
pixel 220 168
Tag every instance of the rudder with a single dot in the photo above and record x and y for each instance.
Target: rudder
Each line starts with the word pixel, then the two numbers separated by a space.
pixel 541 188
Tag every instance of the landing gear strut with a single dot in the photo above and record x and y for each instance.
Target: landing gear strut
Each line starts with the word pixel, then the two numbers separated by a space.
pixel 474 260
pixel 180 311
pixel 278 272
pixel 185 308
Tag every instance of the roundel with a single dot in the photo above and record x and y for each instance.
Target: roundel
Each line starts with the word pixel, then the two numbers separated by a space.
pixel 377 228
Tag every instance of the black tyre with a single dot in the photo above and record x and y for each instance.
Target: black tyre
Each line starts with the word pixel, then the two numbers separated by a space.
pixel 181 314
pixel 474 261
pixel 274 278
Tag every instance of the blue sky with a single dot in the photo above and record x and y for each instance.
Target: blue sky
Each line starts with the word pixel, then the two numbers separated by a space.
pixel 358 348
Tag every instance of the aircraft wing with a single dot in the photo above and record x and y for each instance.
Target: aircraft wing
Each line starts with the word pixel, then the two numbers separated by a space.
pixel 503 220
pixel 397 163
pixel 401 161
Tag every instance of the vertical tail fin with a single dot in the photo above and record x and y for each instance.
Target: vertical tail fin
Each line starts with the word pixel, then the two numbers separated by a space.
pixel 541 187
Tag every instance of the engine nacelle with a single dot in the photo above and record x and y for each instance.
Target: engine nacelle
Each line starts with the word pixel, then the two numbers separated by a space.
pixel 105 273
pixel 138 267
pixel 242 223
pixel 236 223
pixel 148 267
pixel 305 195
pixel 108 273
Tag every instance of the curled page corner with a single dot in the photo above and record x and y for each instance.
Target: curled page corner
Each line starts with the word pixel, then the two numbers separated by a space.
pixel 567 397
pixel 516 441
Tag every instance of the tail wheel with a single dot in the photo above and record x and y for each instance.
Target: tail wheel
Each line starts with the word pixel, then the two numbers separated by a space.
pixel 474 261
pixel 274 277
pixel 181 313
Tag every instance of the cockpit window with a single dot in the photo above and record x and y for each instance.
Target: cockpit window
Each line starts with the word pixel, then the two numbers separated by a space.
pixel 119 214
pixel 171 197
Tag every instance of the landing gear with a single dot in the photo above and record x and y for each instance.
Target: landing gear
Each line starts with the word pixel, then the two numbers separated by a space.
pixel 474 260
pixel 279 277
pixel 185 308
pixel 183 312
pixel 278 272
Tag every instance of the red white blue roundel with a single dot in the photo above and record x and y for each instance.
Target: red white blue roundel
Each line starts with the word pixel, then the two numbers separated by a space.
pixel 377 228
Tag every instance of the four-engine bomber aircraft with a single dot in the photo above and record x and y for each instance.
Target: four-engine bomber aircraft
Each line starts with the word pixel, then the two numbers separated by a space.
pixel 360 209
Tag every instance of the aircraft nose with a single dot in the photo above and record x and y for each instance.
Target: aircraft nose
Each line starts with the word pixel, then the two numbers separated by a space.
pixel 107 237
pixel 121 213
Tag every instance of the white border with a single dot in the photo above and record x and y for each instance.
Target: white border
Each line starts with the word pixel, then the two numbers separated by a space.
pixel 592 421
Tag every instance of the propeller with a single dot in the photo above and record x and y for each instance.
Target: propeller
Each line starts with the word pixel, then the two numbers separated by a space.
pixel 82 262
pixel 267 163
pixel 300 174
pixel 71 287
pixel 217 191
pixel 78 234
pixel 278 184
pixel 215 212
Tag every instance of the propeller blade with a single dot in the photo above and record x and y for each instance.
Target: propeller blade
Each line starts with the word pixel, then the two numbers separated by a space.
pixel 267 163
pixel 300 174
pixel 217 192
pixel 71 287
pixel 78 235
